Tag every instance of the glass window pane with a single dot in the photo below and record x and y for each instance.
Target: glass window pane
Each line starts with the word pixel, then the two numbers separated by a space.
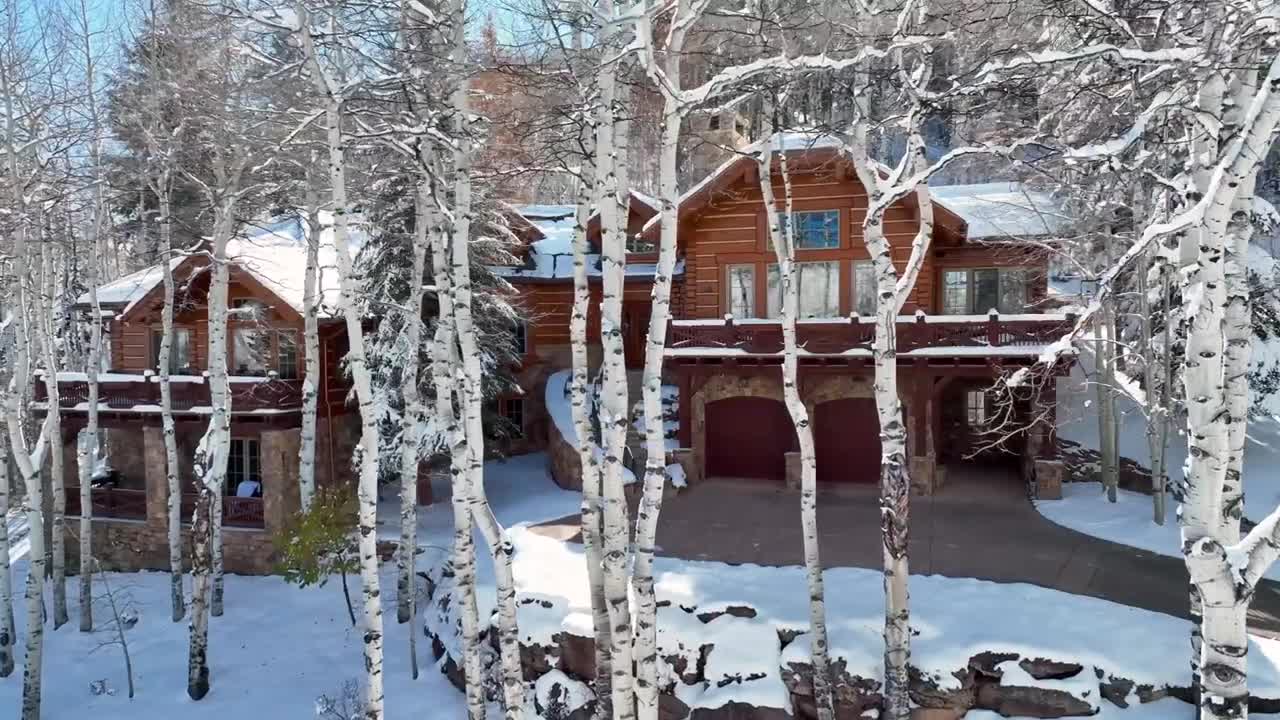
pixel 255 466
pixel 1013 291
pixel 819 289
pixel 955 292
pixel 250 352
pixel 742 291
pixel 775 293
pixel 180 352
pixel 986 291
pixel 235 465
pixel 287 355
pixel 864 287
pixel 816 230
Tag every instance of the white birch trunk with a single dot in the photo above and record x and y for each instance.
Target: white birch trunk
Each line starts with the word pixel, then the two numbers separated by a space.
pixel 211 462
pixel 311 342
pixel 173 485
pixel 1209 517
pixel 444 370
pixel 580 403
pixel 784 250
pixel 1157 418
pixel 8 632
pixel 500 546
pixel 57 486
pixel 413 418
pixel 1104 385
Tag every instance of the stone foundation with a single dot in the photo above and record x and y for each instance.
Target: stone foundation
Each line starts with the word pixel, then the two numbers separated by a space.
pixel 562 460
pixel 128 545
pixel 1049 479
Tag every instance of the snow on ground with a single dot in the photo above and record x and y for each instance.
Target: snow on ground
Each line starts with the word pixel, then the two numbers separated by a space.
pixel 275 651
pixel 560 408
pixel 1084 507
pixel 954 618
pixel 520 491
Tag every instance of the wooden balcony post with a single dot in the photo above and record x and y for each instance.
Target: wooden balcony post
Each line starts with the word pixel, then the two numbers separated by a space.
pixel 156 477
pixel 993 327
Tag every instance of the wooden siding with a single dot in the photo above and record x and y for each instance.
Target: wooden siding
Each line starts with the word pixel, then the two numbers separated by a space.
pixel 734 230
pixel 548 308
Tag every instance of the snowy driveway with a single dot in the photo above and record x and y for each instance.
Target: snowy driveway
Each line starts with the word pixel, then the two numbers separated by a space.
pixel 980 525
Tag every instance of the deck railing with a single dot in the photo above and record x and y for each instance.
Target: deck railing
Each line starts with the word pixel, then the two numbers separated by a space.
pixel 131 504
pixel 139 392
pixel 109 502
pixel 835 337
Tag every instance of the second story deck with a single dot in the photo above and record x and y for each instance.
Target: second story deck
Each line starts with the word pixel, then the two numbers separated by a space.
pixel 128 393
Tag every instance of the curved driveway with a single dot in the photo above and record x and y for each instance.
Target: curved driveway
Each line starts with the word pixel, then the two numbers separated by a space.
pixel 979 525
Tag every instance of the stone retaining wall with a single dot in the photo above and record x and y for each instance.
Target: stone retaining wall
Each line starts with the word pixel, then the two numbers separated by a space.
pixel 128 545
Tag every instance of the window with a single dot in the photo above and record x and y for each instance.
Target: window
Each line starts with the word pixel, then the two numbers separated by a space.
pixel 252 348
pixel 521 333
pixel 741 285
pixel 864 287
pixel 714 122
pixel 815 230
pixel 244 467
pixel 975 407
pixel 513 410
pixel 287 355
pixel 179 349
pixel 819 290
pixel 977 292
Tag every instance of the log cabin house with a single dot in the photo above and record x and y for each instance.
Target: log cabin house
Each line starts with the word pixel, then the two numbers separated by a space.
pixel 266 366
pixel 979 308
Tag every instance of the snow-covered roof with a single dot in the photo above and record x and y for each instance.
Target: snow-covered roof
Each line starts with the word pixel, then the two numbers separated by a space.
pixel 275 253
pixel 1002 209
pixel 126 291
pixel 556 222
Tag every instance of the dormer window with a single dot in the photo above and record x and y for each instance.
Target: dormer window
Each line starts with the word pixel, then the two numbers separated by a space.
pixel 815 230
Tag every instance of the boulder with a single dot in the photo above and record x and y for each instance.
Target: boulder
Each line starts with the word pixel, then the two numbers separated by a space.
pixel 671 707
pixel 742 611
pixel 739 711
pixel 1116 690
pixel 577 655
pixel 1036 702
pixel 559 697
pixel 1045 669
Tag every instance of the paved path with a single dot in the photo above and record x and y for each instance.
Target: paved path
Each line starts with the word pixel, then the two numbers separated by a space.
pixel 980 525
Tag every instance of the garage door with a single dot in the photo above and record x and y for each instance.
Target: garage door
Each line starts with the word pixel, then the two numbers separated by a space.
pixel 747 438
pixel 847 435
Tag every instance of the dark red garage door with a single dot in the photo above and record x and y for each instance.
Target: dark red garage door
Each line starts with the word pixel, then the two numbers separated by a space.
pixel 747 438
pixel 847 435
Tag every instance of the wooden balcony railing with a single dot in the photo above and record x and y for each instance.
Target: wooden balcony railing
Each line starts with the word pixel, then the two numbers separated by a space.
pixel 127 504
pixel 138 392
pixel 849 336
pixel 109 502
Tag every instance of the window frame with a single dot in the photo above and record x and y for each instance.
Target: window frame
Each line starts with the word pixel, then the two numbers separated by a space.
pixel 977 411
pixel 157 337
pixel 769 268
pixel 505 409
pixel 854 284
pixel 247 462
pixel 786 218
pixel 971 294
pixel 293 373
pixel 521 335
pixel 728 289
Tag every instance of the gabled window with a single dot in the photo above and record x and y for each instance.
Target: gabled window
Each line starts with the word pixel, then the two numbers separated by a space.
pixel 287 354
pixel 819 289
pixel 251 351
pixel 741 288
pixel 864 287
pixel 978 291
pixel 179 349
pixel 815 230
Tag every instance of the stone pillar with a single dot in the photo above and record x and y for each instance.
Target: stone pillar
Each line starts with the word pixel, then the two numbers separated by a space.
pixel 280 501
pixel 921 420
pixel 156 475
pixel 794 470
pixel 1049 479
pixel 685 458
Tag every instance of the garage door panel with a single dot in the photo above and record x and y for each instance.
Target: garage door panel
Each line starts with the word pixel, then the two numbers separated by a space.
pixel 846 433
pixel 748 437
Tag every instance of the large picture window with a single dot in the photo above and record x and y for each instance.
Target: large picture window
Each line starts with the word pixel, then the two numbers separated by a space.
pixel 864 287
pixel 252 349
pixel 815 230
pixel 741 284
pixel 819 290
pixel 287 354
pixel 978 291
pixel 179 349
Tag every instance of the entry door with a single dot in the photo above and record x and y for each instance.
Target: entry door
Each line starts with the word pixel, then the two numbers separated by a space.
pixel 635 328
pixel 748 437
pixel 847 435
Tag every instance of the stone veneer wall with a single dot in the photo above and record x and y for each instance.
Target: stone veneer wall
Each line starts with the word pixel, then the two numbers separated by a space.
pixel 142 545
